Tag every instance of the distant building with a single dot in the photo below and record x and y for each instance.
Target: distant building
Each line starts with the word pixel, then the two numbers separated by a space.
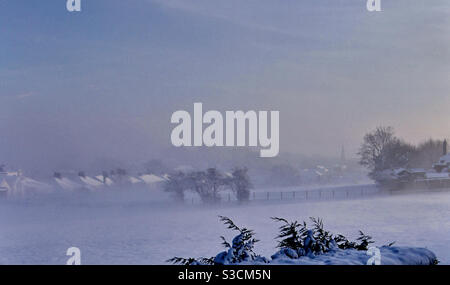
pixel 4 188
pixel 444 161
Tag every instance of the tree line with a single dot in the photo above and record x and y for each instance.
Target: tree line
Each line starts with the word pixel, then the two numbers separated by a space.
pixel 209 183
pixel 382 149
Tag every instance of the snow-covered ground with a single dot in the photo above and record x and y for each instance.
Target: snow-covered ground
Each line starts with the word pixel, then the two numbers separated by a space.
pixel 143 228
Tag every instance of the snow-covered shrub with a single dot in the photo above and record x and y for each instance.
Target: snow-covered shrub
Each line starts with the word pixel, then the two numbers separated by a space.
pixel 297 240
pixel 290 234
pixel 323 240
pixel 191 261
pixel 299 244
pixel 240 250
pixel 241 247
pixel 362 242
pixel 291 239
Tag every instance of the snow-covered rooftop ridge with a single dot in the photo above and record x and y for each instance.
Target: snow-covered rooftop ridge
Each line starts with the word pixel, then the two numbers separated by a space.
pixel 401 170
pixel 134 180
pixel 398 171
pixel 406 171
pixel 34 184
pixel 151 178
pixel 90 182
pixel 445 159
pixel 417 170
pixel 66 183
pixel 436 175
pixel 104 179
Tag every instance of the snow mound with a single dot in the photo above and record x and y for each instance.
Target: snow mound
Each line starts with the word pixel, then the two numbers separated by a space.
pixel 388 256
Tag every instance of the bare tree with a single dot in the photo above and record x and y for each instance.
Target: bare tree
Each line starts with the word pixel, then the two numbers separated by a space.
pixel 208 184
pixel 120 176
pixel 373 146
pixel 240 184
pixel 381 150
pixel 198 183
pixel 395 154
pixel 176 184
pixel 216 181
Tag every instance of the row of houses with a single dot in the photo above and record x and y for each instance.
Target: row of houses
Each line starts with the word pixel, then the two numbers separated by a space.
pixel 14 183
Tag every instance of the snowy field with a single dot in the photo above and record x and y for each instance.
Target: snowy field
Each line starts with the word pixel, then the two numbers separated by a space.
pixel 136 228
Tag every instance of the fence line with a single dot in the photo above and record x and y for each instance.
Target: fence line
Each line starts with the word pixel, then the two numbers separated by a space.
pixel 332 193
pixel 316 194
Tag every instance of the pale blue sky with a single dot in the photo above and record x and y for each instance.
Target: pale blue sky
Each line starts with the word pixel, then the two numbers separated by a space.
pixel 104 82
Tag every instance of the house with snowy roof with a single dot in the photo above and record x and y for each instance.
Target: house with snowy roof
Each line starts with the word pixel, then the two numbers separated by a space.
pixel 65 183
pixel 4 188
pixel 444 163
pixel 151 179
pixel 104 178
pixel 15 183
pixel 88 182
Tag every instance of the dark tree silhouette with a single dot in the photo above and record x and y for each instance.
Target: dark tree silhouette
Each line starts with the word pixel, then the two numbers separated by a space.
pixel 240 183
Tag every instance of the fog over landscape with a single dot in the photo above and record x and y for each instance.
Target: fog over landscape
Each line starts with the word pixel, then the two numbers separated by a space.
pixel 103 84
pixel 88 159
pixel 143 233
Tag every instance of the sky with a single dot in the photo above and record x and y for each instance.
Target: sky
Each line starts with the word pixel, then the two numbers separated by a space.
pixel 104 82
